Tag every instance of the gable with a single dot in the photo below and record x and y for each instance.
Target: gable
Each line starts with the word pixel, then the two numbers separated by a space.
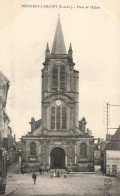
pixel 114 143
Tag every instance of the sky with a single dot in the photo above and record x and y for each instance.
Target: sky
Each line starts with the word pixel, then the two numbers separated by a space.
pixel 94 35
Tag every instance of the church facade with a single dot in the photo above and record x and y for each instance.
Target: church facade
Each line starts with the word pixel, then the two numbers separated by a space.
pixel 58 139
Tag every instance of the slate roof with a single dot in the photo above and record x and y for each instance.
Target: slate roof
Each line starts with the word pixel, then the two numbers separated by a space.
pixel 114 143
pixel 58 43
pixel 3 79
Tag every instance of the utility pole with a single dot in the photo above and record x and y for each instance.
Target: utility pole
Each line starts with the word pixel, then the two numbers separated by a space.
pixel 107 116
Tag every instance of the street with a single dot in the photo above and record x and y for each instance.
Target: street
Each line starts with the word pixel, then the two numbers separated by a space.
pixel 74 184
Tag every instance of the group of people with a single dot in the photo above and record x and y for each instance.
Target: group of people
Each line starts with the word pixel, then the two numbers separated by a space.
pixel 56 173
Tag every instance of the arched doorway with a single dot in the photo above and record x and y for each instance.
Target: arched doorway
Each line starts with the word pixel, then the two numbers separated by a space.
pixel 58 158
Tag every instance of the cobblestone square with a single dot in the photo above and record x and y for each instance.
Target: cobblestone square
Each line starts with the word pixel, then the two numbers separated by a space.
pixel 74 184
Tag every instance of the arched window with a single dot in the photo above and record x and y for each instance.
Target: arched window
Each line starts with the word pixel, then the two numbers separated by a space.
pixel 71 150
pixel 55 78
pixel 33 148
pixel 58 118
pixel 83 150
pixel 62 77
pixel 53 118
pixel 58 77
pixel 63 118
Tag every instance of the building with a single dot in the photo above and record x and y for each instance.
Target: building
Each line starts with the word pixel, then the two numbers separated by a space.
pixel 111 155
pixel 99 146
pixel 11 153
pixel 7 141
pixel 59 139
pixel 4 121
pixel 4 118
pixel 97 152
pixel 18 150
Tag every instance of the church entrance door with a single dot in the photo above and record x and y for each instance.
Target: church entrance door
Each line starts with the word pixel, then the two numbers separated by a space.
pixel 57 158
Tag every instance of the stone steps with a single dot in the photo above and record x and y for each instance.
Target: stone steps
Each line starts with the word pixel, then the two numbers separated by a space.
pixel 62 171
pixel 15 168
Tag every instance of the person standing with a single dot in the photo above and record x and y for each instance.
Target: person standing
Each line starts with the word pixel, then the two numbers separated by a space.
pixel 54 173
pixel 58 173
pixel 34 176
pixel 40 170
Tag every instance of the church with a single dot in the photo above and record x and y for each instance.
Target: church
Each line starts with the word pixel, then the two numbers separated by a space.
pixel 58 139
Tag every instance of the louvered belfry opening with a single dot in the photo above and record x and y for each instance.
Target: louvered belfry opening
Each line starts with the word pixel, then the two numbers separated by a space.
pixel 62 77
pixel 55 78
pixel 58 77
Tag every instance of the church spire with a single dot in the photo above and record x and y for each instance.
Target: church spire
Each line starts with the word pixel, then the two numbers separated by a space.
pixel 58 43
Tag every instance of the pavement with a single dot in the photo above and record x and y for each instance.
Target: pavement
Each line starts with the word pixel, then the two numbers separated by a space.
pixel 74 185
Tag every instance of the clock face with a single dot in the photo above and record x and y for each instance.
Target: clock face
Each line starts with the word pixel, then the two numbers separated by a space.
pixel 58 102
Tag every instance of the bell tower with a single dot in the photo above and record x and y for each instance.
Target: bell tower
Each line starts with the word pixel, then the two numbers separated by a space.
pixel 59 139
pixel 60 91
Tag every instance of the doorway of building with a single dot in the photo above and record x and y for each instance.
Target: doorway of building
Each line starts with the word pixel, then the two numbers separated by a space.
pixel 57 158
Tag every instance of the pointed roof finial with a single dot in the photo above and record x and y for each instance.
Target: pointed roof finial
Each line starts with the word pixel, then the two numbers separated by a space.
pixel 47 51
pixel 70 48
pixel 58 43
pixel 47 47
